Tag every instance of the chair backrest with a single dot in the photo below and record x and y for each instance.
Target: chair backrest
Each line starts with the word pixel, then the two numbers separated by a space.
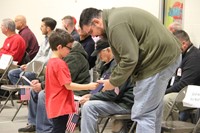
pixel 25 59
pixel 179 100
pixel 35 67
pixel 178 103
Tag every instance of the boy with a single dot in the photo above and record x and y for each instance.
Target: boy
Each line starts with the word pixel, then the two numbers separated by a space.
pixel 59 95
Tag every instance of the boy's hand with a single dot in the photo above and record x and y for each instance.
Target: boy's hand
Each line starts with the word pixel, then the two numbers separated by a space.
pixel 93 85
pixel 107 85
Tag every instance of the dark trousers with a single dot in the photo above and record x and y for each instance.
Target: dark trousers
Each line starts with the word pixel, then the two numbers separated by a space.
pixel 59 124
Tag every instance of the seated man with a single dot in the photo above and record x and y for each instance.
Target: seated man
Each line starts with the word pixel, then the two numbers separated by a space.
pixel 37 117
pixel 118 101
pixel 44 53
pixel 89 45
pixel 14 44
pixel 68 24
pixel 188 72
pixel 32 46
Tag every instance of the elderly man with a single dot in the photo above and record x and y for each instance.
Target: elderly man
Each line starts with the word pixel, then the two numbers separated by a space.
pixel 108 102
pixel 14 44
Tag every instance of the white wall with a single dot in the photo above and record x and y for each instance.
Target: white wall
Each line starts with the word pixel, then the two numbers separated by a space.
pixel 191 23
pixel 35 10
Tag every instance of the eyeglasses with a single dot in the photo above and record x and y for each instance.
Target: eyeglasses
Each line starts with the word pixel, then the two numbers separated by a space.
pixel 68 47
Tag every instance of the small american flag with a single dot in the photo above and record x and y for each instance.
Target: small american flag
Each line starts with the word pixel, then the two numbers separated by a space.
pixel 73 119
pixel 25 93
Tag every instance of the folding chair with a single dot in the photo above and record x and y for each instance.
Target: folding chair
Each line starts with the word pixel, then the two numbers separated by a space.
pixel 116 117
pixel 25 59
pixel 174 126
pixel 34 67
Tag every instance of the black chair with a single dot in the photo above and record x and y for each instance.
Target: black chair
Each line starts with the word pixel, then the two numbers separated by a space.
pixel 25 59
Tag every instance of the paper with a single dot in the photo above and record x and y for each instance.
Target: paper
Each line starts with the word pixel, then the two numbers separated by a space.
pixel 77 98
pixel 4 61
pixel 24 86
pixel 27 80
pixel 192 97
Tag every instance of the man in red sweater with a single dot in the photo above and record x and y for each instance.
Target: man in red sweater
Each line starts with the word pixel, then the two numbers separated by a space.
pixel 14 44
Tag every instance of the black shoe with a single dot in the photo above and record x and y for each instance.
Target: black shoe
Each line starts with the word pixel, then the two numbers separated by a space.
pixel 27 129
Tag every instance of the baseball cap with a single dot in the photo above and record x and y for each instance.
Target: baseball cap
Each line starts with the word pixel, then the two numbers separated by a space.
pixel 100 44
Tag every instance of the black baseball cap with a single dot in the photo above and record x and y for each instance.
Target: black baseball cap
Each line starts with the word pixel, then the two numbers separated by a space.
pixel 100 44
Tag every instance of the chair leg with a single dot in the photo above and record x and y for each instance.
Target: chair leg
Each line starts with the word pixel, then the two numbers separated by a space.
pixel 99 122
pixel 132 127
pixel 104 125
pixel 6 102
pixel 11 99
pixel 17 110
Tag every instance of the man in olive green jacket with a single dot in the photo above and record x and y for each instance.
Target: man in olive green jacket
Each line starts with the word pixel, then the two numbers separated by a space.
pixel 143 49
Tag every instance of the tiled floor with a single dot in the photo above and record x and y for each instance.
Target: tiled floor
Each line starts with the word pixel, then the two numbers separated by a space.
pixel 7 126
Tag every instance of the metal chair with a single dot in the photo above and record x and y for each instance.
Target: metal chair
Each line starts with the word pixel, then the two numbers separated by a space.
pixel 174 126
pixel 116 117
pixel 34 67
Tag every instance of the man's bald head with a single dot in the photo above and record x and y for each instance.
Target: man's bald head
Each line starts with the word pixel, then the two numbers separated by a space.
pixel 20 22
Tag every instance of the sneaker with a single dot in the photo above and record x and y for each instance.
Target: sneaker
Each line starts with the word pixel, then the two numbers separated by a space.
pixel 27 129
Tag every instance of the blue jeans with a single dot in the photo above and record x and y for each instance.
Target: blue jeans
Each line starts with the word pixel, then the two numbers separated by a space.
pixel 14 76
pixel 91 110
pixel 148 100
pixel 37 113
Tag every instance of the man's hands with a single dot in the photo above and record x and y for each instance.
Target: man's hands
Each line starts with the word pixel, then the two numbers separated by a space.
pixel 36 85
pixel 85 98
pixel 23 67
pixel 92 85
pixel 107 85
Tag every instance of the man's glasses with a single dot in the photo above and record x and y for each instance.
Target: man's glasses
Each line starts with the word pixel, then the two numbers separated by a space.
pixel 68 47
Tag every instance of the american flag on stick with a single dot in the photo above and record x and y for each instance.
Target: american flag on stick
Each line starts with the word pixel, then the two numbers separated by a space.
pixel 73 119
pixel 25 94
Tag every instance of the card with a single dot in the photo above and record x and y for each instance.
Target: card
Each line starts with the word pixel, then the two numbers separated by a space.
pixel 27 80
pixel 98 89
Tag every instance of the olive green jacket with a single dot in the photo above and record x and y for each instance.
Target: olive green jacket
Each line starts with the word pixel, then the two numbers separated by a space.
pixel 142 46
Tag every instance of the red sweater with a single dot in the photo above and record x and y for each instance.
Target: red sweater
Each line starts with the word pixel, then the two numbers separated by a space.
pixel 15 46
